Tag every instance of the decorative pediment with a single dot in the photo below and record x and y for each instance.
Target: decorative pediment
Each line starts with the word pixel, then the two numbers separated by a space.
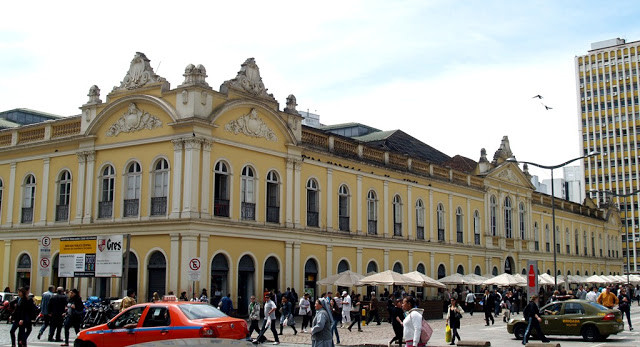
pixel 134 120
pixel 248 80
pixel 251 125
pixel 508 175
pixel 140 74
pixel 511 173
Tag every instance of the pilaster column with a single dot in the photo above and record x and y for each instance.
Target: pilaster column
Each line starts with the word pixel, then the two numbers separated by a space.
pixel 386 260
pixel 204 262
pixel 359 205
pixel 431 221
pixel 44 195
pixel 80 187
pixel 452 265
pixel 189 250
pixel 296 265
pixel 470 231
pixel 88 197
pixel 289 202
pixel 191 181
pixel 329 195
pixel 10 198
pixel 7 261
pixel 288 256
pixel 174 262
pixel 410 256
pixel 176 186
pixel 432 263
pixel 451 225
pixel 470 264
pixel 359 260
pixel 410 207
pixel 206 178
pixel 487 264
pixel 297 205
pixel 329 261
pixel 385 208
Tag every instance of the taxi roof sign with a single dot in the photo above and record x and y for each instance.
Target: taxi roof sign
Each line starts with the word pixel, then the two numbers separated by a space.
pixel 169 298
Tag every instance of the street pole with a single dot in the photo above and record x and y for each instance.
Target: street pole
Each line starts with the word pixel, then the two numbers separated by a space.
pixel 626 231
pixel 553 225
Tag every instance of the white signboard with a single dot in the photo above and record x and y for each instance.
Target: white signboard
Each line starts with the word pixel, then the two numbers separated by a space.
pixel 532 278
pixel 109 256
pixel 90 256
pixel 194 269
pixel 44 257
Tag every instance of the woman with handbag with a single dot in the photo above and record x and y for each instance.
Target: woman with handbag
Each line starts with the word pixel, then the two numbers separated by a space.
pixel 454 314
pixel 287 318
pixel 305 311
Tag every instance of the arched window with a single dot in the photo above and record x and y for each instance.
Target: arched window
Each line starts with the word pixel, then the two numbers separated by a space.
pixel 372 213
pixel 536 236
pixel 397 267
pixel 600 244
pixel 273 197
pixel 440 219
pixel 64 195
pixel 576 240
pixel 460 270
pixel 343 207
pixel 441 271
pixel 421 269
pixel 521 218
pixel 372 267
pixel 477 271
pixel 23 271
pixel 107 182
pixel 508 218
pixel 585 243
pixel 247 195
pixel 557 235
pixel 547 235
pixel 593 244
pixel 160 188
pixel 476 227
pixel 420 219
pixel 221 190
pixel 578 273
pixel 397 216
pixel 567 240
pixel 343 266
pixel 219 277
pixel 28 199
pixel 494 271
pixel 459 225
pixel 493 212
pixel 156 274
pixel 132 197
pixel 312 203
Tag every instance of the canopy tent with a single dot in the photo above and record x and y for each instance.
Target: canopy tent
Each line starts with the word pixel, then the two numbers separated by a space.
pixel 454 279
pixel 343 279
pixel 549 278
pixel 426 280
pixel 595 279
pixel 474 279
pixel 521 278
pixel 389 278
pixel 505 280
pixel 575 279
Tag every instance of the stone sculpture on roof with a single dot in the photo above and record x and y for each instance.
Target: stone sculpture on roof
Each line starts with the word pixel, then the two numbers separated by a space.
pixel 291 105
pixel 195 75
pixel 248 80
pixel 140 74
pixel 134 120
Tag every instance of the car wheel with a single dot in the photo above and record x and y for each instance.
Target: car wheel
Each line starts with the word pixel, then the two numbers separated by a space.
pixel 519 331
pixel 590 334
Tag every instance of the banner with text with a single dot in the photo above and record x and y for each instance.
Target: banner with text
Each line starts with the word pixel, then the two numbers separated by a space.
pixel 90 256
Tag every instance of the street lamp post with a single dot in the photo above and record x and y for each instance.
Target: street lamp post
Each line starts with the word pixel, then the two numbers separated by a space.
pixel 626 224
pixel 553 204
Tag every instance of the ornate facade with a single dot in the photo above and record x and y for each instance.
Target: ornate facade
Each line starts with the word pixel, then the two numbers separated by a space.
pixel 264 201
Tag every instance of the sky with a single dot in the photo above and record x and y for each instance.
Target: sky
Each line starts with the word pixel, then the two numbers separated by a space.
pixel 458 75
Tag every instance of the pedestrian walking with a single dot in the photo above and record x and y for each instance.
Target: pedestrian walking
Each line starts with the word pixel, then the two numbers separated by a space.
pixel 23 316
pixel 470 302
pixel 625 305
pixel 397 316
pixel 356 312
pixel 73 316
pixel 346 308
pixel 254 317
pixel 57 308
pixel 287 318
pixel 373 309
pixel 607 298
pixel 305 311
pixel 270 308
pixel 44 309
pixel 412 323
pixel 592 295
pixel 497 301
pixel 454 315
pixel 488 303
pixel 128 300
pixel 336 314
pixel 226 305
pixel 13 318
pixel 321 325
pixel 532 316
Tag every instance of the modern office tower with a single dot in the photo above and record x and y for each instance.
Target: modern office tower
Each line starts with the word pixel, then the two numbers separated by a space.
pixel 607 96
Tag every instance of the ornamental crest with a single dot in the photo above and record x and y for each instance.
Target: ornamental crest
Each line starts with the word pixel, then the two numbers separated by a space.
pixel 134 120
pixel 251 125
pixel 248 80
pixel 140 73
pixel 509 176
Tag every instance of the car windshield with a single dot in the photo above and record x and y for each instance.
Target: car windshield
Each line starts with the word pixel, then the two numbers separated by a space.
pixel 598 306
pixel 201 311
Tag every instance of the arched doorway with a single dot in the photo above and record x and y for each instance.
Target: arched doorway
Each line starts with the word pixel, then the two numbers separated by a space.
pixel 495 271
pixel 397 267
pixel 460 270
pixel 372 268
pixel 56 280
pixel 310 277
pixel 441 271
pixel 132 274
pixel 246 272
pixel 219 278
pixel 343 266
pixel 421 269
pixel 23 271
pixel 477 271
pixel 271 271
pixel 156 275
pixel 509 265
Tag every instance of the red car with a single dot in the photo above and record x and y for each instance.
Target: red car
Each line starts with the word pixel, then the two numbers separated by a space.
pixel 163 320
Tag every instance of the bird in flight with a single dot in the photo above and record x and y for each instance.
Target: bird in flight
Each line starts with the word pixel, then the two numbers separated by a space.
pixel 547 107
pixel 537 96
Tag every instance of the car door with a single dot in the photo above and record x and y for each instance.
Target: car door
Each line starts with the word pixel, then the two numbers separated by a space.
pixel 156 325
pixel 123 327
pixel 550 315
pixel 572 317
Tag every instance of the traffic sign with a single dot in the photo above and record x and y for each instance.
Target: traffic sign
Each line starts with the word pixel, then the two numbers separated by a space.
pixel 44 257
pixel 194 269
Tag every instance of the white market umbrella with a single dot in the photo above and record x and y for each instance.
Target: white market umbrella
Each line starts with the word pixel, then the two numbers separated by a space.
pixel 474 279
pixel 454 279
pixel 550 278
pixel 608 279
pixel 595 279
pixel 504 280
pixel 522 279
pixel 389 278
pixel 634 279
pixel 343 279
pixel 544 281
pixel 574 279
pixel 426 280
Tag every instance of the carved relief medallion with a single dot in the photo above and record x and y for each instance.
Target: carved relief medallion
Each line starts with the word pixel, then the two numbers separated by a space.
pixel 251 125
pixel 509 176
pixel 134 120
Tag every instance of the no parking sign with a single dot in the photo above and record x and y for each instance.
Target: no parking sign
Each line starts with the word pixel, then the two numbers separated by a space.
pixel 194 269
pixel 44 257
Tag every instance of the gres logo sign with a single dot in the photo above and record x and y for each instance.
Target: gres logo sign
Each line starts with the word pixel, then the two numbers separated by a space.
pixel 109 245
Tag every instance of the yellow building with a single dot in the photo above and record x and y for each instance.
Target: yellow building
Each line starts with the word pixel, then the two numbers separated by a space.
pixel 264 201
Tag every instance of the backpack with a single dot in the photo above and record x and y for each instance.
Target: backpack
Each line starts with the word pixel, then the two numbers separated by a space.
pixel 425 332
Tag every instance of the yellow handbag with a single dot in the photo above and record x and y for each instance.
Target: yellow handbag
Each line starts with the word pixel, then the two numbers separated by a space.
pixel 447 334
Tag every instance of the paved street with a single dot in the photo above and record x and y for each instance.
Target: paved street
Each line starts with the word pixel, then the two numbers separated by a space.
pixel 473 328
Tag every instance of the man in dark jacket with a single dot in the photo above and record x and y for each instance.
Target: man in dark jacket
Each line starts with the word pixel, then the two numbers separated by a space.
pixel 74 315
pixel 57 308
pixel 488 304
pixel 532 315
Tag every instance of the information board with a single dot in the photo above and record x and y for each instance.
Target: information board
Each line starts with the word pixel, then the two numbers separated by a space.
pixel 90 256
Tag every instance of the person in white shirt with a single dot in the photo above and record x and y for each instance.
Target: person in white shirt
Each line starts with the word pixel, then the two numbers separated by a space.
pixel 269 322
pixel 305 311
pixel 592 295
pixel 470 301
pixel 346 308
pixel 412 323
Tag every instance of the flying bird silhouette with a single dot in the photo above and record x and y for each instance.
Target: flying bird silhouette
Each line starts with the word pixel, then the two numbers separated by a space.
pixel 548 108
pixel 537 96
